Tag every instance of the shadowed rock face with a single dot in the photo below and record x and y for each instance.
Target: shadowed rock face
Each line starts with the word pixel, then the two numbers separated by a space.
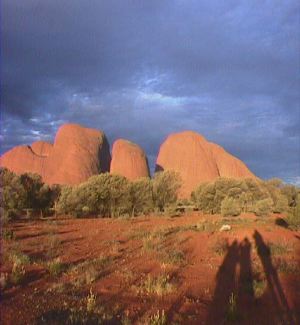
pixel 77 154
pixel 198 160
pixel 128 160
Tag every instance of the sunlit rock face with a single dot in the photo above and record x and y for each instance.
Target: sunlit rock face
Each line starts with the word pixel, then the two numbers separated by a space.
pixel 197 160
pixel 77 154
pixel 129 160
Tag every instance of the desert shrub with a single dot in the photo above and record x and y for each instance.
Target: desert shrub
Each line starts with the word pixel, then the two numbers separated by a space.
pixel 158 318
pixel 140 196
pixel 293 218
pixel 19 261
pixel 246 193
pixel 13 195
pixel 208 197
pixel 38 194
pixel 64 204
pixel 102 195
pixel 159 285
pixel 55 267
pixel 26 191
pixel 7 234
pixel 91 302
pixel 290 192
pixel 230 207
pixel 263 207
pixel 204 198
pixel 281 204
pixel 165 185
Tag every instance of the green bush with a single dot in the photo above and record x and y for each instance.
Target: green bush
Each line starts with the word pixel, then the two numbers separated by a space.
pixel 263 207
pixel 13 194
pixel 281 204
pixel 294 215
pixel 165 185
pixel 102 195
pixel 55 267
pixel 230 207
pixel 247 194
pixel 140 196
pixel 26 191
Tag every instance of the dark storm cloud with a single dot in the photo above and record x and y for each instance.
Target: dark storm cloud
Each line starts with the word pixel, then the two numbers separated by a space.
pixel 143 69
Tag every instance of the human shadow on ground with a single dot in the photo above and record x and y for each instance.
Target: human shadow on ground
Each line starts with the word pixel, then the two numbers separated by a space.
pixel 278 298
pixel 234 296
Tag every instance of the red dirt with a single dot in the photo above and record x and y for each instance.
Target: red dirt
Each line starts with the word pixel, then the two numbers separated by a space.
pixel 203 282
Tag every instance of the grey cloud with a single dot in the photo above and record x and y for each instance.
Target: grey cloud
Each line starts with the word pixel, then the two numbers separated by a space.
pixel 143 69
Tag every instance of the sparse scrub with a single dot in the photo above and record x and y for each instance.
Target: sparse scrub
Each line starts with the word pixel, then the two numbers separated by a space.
pixel 52 240
pixel 19 261
pixel 220 246
pixel 8 234
pixel 175 257
pixel 280 248
pixel 293 218
pixel 232 311
pixel 148 244
pixel 91 302
pixel 55 267
pixel 89 271
pixel 158 318
pixel 259 287
pixel 159 286
pixel 4 280
pixel 283 266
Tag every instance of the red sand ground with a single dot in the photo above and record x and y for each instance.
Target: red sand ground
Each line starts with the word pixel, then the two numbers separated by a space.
pixel 202 282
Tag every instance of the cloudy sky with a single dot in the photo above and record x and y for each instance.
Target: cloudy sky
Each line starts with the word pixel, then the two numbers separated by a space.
pixel 143 69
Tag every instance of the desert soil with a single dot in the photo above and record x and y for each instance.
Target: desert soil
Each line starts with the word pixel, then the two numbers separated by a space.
pixel 181 267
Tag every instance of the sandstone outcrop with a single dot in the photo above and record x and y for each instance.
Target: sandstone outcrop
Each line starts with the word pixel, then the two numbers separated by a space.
pixel 198 160
pixel 129 160
pixel 77 154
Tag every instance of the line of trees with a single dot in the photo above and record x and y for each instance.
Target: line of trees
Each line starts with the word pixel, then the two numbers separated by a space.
pixel 230 197
pixel 109 195
pixel 102 195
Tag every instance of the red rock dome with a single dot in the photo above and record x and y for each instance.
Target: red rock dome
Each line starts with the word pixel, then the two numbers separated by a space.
pixel 129 160
pixel 197 160
pixel 77 154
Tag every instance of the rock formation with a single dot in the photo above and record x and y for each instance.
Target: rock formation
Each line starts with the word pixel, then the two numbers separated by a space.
pixel 128 160
pixel 77 154
pixel 198 160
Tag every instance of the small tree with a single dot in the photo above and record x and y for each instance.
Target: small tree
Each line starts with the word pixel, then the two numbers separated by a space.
pixel 204 197
pixel 230 207
pixel 38 193
pixel 165 185
pixel 13 195
pixel 140 196
pixel 294 215
pixel 291 192
pixel 104 195
pixel 64 205
pixel 281 204
pixel 263 207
